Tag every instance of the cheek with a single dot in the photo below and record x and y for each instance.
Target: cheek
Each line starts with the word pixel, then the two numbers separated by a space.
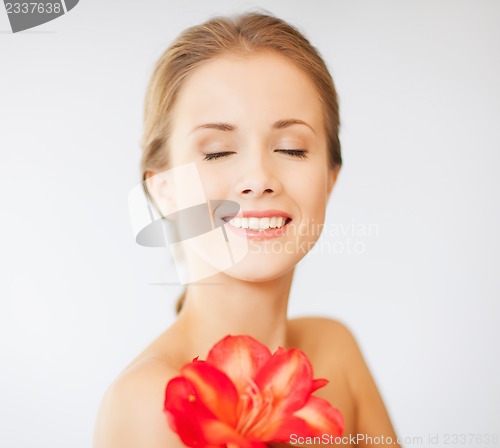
pixel 215 185
pixel 311 201
pixel 311 192
pixel 313 217
pixel 318 199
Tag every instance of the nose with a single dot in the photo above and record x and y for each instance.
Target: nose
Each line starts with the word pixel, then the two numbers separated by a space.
pixel 257 178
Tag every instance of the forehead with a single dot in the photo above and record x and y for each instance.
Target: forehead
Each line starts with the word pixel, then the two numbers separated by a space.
pixel 247 90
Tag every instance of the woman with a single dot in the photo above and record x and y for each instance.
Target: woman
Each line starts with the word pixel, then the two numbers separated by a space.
pixel 250 104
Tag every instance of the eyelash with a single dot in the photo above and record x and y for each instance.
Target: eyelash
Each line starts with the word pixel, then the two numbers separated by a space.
pixel 216 155
pixel 300 153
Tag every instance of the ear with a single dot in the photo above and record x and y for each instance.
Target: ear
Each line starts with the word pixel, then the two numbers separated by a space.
pixel 332 178
pixel 161 191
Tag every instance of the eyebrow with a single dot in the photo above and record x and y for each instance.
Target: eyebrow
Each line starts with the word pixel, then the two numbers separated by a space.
pixel 290 122
pixel 227 127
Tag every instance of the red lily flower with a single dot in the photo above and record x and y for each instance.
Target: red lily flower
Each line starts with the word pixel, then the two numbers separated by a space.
pixel 246 397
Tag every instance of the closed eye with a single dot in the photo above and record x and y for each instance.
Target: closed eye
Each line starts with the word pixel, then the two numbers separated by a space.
pixel 294 152
pixel 301 153
pixel 217 155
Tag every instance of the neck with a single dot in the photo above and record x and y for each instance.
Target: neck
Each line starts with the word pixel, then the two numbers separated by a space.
pixel 233 306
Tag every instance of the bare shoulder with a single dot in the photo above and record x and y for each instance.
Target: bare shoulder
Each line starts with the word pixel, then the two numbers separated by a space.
pixel 131 411
pixel 320 332
pixel 325 323
pixel 333 348
pixel 334 345
pixel 335 342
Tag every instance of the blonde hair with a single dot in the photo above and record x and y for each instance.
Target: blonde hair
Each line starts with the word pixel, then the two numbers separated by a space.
pixel 242 34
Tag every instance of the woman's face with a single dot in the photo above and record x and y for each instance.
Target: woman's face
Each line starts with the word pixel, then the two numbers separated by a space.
pixel 253 126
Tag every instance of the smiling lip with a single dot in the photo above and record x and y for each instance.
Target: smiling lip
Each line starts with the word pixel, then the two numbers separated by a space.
pixel 258 214
pixel 259 234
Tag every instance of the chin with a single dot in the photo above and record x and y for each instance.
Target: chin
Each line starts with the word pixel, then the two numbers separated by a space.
pixel 261 268
pixel 255 261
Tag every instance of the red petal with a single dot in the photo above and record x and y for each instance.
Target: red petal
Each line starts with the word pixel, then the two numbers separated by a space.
pixel 218 433
pixel 321 417
pixel 318 417
pixel 288 376
pixel 185 412
pixel 193 421
pixel 318 384
pixel 282 430
pixel 181 396
pixel 240 357
pixel 214 389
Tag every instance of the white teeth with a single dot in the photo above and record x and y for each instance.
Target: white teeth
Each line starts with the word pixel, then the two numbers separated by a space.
pixel 253 223
pixel 258 223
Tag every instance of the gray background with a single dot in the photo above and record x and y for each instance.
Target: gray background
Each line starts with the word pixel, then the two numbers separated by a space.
pixel 420 105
